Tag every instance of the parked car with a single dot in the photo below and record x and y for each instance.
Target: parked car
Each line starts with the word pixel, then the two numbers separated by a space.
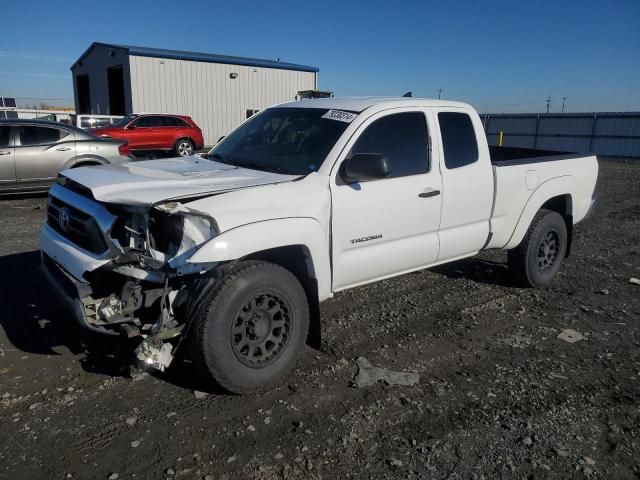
pixel 85 121
pixel 303 200
pixel 145 132
pixel 32 152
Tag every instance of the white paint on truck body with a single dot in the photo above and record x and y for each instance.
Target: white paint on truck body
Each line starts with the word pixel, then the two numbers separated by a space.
pixel 353 233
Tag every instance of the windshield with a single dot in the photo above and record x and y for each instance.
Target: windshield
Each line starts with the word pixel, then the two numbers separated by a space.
pixel 293 141
pixel 124 121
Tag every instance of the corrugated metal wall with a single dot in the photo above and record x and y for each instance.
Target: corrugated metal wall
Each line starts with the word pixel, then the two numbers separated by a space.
pixel 207 93
pixel 606 134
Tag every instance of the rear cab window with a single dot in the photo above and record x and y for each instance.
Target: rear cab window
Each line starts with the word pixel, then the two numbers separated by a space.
pixel 458 139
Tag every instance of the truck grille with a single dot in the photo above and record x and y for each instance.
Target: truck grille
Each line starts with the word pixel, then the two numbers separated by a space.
pixel 75 225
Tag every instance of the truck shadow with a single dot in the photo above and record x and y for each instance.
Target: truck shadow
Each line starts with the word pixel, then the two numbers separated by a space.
pixel 35 322
pixel 478 270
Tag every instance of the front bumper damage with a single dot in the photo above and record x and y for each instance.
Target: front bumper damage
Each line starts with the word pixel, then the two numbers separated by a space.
pixel 141 286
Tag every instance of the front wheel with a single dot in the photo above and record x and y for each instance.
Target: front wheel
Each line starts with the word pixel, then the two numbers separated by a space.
pixel 184 147
pixel 249 332
pixel 536 261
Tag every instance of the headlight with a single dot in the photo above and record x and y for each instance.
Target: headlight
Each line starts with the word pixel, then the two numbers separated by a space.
pixel 175 230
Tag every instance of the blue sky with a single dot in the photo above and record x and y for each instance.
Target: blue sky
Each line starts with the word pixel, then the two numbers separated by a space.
pixel 505 56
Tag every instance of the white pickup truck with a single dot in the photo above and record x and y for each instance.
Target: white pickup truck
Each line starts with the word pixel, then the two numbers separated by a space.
pixel 235 249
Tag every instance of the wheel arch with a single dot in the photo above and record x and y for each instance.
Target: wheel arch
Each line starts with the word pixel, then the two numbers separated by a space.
pixel 298 260
pixel 275 239
pixel 86 160
pixel 298 244
pixel 555 194
pixel 184 137
pixel 563 204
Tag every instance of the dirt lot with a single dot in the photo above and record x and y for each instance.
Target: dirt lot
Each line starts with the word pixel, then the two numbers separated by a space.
pixel 500 396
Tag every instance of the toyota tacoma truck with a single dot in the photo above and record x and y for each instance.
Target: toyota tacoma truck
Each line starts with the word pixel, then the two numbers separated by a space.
pixel 229 254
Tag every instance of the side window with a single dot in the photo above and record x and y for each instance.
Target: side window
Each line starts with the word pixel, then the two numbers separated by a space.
pixel 169 122
pixel 4 136
pixel 458 139
pixel 402 139
pixel 180 122
pixel 85 122
pixel 143 122
pixel 32 135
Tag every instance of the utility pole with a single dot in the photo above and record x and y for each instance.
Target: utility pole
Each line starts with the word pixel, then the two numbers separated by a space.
pixel 564 99
pixel 439 93
pixel 548 102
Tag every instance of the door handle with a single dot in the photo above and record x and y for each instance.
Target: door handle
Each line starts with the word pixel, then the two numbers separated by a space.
pixel 5 153
pixel 63 149
pixel 429 193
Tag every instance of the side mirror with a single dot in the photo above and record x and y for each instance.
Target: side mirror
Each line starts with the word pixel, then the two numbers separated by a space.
pixel 362 167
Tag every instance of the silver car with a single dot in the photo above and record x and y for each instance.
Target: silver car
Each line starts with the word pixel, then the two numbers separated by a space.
pixel 32 152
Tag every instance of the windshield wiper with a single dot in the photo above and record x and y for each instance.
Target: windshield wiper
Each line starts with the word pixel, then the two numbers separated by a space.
pixel 216 156
pixel 257 166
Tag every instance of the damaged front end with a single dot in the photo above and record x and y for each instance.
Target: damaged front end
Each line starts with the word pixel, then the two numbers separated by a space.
pixel 143 287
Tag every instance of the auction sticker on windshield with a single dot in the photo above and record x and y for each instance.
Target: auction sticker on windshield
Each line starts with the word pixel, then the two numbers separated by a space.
pixel 340 115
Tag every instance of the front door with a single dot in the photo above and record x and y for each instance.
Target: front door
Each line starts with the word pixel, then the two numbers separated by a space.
pixel 7 164
pixel 41 152
pixel 388 226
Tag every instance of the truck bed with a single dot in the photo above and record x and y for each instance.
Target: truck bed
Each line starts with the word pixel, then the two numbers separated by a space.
pixel 506 156
pixel 522 175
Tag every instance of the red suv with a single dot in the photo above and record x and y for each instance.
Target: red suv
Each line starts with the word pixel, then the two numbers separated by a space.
pixel 170 133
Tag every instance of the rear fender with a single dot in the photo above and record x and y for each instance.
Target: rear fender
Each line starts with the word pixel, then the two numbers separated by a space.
pixel 565 185
pixel 252 238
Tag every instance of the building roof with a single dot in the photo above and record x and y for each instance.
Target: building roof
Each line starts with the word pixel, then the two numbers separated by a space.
pixel 198 57
pixel 358 104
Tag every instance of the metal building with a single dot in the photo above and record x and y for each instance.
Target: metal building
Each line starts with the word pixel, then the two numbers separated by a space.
pixel 217 91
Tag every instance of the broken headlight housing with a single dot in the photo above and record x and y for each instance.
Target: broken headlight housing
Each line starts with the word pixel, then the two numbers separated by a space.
pixel 175 231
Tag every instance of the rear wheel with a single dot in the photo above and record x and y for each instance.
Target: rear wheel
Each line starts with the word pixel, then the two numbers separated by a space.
pixel 536 261
pixel 184 147
pixel 250 331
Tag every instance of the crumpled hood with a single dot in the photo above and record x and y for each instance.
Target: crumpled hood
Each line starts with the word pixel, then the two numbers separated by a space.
pixel 151 181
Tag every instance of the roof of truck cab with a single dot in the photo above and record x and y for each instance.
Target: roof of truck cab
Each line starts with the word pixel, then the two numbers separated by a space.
pixel 358 104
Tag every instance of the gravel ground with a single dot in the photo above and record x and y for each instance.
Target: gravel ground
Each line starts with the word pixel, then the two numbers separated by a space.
pixel 499 395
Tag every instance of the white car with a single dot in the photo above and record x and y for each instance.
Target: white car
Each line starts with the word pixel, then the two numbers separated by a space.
pixel 303 200
pixel 85 121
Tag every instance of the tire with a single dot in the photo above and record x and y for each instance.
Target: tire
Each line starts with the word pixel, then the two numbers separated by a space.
pixel 536 261
pixel 250 330
pixel 184 147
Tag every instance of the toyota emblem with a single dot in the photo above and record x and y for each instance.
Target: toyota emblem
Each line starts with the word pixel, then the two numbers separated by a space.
pixel 63 219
